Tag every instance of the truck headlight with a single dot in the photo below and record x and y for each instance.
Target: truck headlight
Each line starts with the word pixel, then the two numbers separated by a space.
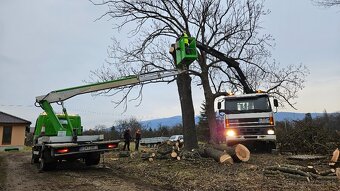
pixel 231 133
pixel 270 132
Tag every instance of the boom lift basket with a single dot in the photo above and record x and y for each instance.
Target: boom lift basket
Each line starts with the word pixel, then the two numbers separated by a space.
pixel 186 51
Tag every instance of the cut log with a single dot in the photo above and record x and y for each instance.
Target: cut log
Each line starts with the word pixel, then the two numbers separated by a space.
pixel 242 153
pixel 326 172
pixel 218 156
pixel 173 154
pixel 306 157
pixel 288 170
pixel 178 158
pixel 239 152
pixel 310 169
pixel 335 155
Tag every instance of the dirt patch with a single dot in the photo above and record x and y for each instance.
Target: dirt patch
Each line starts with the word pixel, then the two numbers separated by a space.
pixel 21 175
pixel 136 174
pixel 2 172
pixel 206 174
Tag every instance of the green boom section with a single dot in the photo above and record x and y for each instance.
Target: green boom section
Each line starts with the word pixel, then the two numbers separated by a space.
pixel 64 94
pixel 54 123
pixel 99 84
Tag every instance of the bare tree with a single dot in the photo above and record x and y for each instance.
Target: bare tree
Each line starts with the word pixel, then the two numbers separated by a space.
pixel 327 3
pixel 229 26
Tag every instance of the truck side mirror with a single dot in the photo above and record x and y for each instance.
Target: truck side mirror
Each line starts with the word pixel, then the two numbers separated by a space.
pixel 219 105
pixel 276 103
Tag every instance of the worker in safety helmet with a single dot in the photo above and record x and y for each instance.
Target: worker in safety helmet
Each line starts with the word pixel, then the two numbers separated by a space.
pixel 186 42
pixel 186 38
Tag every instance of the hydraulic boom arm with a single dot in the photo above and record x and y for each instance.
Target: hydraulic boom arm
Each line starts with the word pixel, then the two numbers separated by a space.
pixel 64 94
pixel 61 95
pixel 231 63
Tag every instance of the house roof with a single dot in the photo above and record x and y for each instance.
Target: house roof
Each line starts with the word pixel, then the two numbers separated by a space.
pixel 6 118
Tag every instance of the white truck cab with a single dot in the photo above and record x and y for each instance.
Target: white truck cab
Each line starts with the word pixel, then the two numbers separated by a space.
pixel 248 118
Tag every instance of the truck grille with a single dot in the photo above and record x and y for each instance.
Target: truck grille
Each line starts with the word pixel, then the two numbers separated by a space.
pixel 252 131
pixel 250 122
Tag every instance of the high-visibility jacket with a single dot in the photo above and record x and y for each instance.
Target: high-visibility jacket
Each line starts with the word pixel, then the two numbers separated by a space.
pixel 186 39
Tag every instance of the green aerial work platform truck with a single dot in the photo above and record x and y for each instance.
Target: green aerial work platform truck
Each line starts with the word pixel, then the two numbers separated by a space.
pixel 59 137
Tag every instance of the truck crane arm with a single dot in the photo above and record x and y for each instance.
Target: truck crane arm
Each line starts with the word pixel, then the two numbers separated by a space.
pixel 44 101
pixel 64 94
pixel 231 63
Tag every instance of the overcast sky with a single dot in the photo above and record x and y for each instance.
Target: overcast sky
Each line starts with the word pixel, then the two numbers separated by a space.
pixel 49 45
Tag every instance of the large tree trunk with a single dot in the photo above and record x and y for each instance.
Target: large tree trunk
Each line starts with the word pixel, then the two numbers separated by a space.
pixel 188 114
pixel 209 99
pixel 211 117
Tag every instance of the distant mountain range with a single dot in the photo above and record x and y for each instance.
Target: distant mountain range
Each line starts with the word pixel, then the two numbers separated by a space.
pixel 175 120
pixel 169 121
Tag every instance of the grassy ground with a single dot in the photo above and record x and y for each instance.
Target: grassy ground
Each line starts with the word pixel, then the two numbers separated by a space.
pixel 2 171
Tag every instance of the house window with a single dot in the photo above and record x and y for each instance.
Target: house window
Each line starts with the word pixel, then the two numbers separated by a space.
pixel 7 135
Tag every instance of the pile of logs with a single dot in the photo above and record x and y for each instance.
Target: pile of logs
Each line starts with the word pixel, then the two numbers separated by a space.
pixel 170 150
pixel 174 150
pixel 309 172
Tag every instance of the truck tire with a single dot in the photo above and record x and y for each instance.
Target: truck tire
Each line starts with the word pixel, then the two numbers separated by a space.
pixel 35 159
pixel 92 159
pixel 47 162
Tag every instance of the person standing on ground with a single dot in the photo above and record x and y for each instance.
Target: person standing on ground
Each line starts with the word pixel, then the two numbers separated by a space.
pixel 127 139
pixel 138 137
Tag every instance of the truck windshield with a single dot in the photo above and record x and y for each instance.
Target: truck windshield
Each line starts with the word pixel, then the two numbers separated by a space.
pixel 247 105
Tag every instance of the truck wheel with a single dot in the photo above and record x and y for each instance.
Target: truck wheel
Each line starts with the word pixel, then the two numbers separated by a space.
pixel 46 162
pixel 34 159
pixel 270 146
pixel 92 159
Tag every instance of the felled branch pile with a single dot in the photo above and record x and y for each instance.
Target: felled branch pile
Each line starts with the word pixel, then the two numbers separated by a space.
pixel 300 172
pixel 307 173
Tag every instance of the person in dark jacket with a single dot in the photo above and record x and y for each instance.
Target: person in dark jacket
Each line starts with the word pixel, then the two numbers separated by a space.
pixel 138 137
pixel 127 139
